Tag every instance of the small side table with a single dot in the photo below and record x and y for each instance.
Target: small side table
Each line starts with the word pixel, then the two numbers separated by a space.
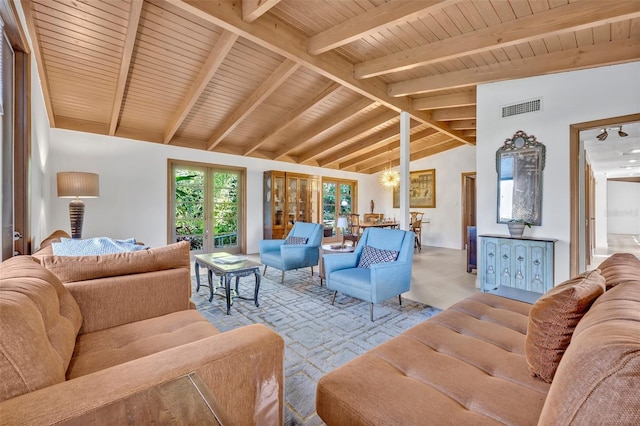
pixel 215 264
pixel 331 248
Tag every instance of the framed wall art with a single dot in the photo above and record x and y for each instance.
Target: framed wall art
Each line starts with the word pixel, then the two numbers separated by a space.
pixel 422 190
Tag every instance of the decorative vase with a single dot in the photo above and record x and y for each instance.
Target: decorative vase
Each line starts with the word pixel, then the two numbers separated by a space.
pixel 516 229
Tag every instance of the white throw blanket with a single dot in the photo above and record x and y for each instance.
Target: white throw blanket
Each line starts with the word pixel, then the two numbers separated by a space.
pixel 94 246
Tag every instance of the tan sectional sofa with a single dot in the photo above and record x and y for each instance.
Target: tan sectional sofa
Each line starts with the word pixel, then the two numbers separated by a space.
pixel 80 333
pixel 472 364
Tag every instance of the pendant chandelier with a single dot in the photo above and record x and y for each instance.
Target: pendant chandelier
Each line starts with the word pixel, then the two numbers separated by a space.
pixel 389 178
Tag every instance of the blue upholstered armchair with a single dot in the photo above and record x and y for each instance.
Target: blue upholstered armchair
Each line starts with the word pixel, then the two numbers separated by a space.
pixel 370 273
pixel 294 252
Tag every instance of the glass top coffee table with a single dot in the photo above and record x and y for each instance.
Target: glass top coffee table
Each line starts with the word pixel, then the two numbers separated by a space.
pixel 227 266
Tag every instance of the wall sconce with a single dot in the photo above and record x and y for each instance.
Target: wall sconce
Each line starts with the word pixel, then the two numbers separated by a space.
pixel 77 185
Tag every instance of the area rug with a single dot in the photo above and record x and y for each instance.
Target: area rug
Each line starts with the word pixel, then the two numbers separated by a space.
pixel 319 337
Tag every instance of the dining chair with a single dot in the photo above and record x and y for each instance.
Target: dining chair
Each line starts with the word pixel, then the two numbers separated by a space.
pixel 352 231
pixel 416 227
pixel 373 217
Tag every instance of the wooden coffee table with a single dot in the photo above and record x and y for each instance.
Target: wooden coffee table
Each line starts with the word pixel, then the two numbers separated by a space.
pixel 227 267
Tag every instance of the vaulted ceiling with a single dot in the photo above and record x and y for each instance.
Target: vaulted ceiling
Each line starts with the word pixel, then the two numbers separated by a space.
pixel 317 82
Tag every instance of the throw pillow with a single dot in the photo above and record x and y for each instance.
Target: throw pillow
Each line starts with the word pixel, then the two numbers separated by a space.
pixel 554 317
pixel 295 240
pixel 371 255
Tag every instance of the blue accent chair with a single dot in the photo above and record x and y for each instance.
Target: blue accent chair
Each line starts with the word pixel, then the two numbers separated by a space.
pixel 277 254
pixel 381 280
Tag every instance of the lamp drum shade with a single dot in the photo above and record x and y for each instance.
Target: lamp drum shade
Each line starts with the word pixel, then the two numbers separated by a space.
pixel 342 222
pixel 78 185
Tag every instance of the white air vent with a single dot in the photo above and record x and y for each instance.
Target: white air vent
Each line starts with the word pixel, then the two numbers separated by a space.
pixel 533 105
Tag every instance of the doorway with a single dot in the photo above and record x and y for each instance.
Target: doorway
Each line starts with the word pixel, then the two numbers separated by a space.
pixel 339 197
pixel 583 218
pixel 206 207
pixel 468 205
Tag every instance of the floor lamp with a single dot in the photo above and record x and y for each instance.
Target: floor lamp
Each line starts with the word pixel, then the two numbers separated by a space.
pixel 76 185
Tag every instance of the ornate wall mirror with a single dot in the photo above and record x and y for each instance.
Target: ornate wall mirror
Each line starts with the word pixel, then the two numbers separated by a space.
pixel 519 163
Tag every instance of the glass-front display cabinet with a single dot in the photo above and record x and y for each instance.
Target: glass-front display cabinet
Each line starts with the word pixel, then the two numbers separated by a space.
pixel 287 199
pixel 274 201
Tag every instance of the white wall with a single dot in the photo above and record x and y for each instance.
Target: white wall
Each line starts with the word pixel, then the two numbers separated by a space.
pixel 623 207
pixel 445 220
pixel 568 98
pixel 133 184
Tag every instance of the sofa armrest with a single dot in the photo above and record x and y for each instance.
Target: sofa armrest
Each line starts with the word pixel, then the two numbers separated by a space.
pixel 243 369
pixel 113 301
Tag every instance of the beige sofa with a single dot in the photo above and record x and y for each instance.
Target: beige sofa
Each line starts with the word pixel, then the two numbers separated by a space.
pixel 78 334
pixel 474 363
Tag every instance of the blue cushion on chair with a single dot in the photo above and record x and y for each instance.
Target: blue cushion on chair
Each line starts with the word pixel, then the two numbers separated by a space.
pixel 371 255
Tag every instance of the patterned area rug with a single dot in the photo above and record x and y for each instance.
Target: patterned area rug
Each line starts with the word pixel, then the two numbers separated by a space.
pixel 318 336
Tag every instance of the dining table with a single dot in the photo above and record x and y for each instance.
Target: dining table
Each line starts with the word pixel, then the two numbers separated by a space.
pixel 380 224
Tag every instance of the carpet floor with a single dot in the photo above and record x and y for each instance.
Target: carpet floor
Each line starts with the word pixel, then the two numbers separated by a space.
pixel 318 336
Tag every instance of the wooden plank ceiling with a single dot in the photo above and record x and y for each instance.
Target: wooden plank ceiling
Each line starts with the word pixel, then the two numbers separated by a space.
pixel 317 82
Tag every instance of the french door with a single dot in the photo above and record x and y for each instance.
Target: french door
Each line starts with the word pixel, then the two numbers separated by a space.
pixel 338 198
pixel 207 204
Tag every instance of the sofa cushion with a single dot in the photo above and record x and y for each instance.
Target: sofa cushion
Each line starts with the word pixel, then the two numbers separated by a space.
pixel 465 365
pixel 371 255
pixel 619 268
pixel 81 268
pixel 105 348
pixel 45 246
pixel 39 321
pixel 554 317
pixel 597 379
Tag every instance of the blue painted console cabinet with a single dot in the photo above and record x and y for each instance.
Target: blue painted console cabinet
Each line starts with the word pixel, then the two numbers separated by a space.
pixel 520 268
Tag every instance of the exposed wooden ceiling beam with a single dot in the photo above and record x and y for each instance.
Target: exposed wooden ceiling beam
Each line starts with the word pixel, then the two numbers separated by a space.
pixel 253 9
pixel 290 118
pixel 374 20
pixel 279 37
pixel 222 47
pixel 279 76
pixel 463 124
pixel 377 165
pixel 344 137
pixel 470 133
pixel 615 52
pixel 459 113
pixel 127 51
pixel 389 147
pixel 563 19
pixel 368 142
pixel 325 124
pixel 27 7
pixel 446 101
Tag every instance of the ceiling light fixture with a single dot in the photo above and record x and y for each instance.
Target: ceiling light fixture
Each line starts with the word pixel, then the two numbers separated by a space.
pixel 602 136
pixel 621 133
pixel 389 178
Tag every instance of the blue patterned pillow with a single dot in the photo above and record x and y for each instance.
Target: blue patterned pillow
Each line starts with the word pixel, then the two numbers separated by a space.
pixel 371 255
pixel 295 240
